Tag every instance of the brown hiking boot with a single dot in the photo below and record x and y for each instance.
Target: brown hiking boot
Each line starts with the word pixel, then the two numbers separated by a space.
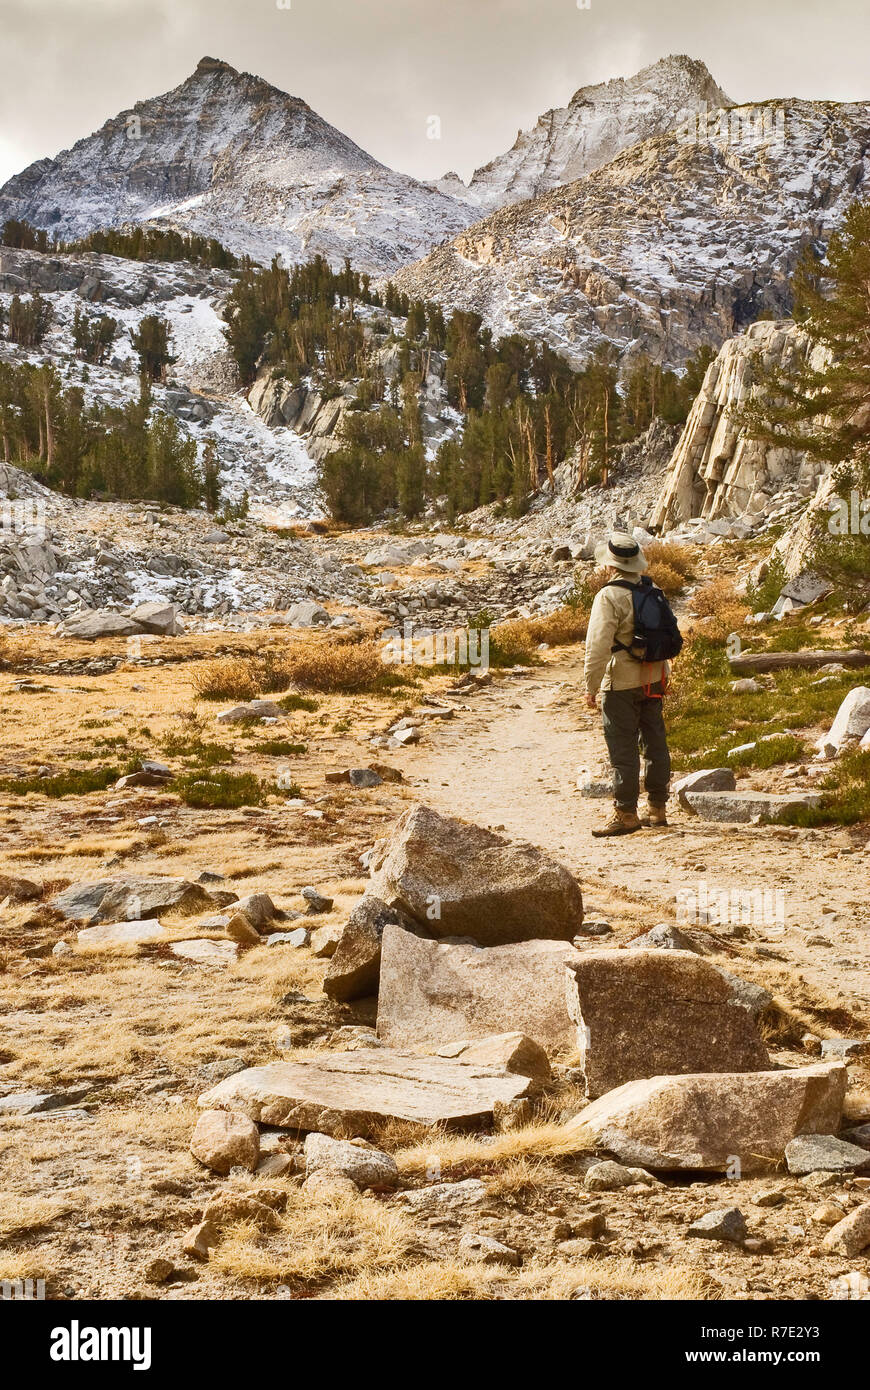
pixel 655 816
pixel 620 823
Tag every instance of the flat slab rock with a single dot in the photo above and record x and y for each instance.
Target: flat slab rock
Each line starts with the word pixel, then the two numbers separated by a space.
pixel 99 622
pixel 738 808
pixel 110 934
pixel 433 992
pixel 355 1091
pixel 708 779
pixel 203 951
pixel 707 1121
pixel 824 1153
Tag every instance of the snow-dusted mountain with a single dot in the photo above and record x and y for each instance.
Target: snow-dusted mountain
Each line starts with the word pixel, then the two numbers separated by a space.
pixel 598 122
pixel 228 155
pixel 682 239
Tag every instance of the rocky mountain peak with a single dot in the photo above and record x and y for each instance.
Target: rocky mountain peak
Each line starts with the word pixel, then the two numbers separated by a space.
pixel 599 121
pixel 214 65
pixel 229 155
pixel 676 75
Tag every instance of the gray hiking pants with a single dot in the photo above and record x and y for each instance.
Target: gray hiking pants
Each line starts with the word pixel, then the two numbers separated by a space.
pixel 633 720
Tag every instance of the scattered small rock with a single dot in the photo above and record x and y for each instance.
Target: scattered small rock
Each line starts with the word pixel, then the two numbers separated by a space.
pixel 365 1166
pixel 727 1223
pixel 823 1153
pixel 486 1250
pixel 225 1139
pixel 851 1235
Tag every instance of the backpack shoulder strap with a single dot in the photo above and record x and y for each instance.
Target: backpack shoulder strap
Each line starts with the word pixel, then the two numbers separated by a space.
pixel 632 589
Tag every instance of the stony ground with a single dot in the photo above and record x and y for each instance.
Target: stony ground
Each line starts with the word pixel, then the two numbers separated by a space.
pixel 93 1193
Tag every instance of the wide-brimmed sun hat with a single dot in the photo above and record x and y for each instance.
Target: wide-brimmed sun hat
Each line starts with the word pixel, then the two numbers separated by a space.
pixel 621 551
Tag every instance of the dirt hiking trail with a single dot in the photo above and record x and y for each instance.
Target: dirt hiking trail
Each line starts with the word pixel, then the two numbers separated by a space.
pixel 510 761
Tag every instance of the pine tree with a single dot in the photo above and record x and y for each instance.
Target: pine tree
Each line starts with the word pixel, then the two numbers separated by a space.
pixel 210 477
pixel 92 337
pixel 29 320
pixel 823 408
pixel 151 342
pixel 821 404
pixel 171 464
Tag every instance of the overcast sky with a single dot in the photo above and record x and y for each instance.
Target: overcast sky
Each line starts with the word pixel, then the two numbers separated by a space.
pixel 378 69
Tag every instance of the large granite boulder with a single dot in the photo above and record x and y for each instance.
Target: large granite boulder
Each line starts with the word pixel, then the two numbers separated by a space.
pixel 457 879
pixel 433 992
pixel 158 617
pixel 738 1122
pixel 645 1013
pixel 90 627
pixel 133 897
pixel 851 722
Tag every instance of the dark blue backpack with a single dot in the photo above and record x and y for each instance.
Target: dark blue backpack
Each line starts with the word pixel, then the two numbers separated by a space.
pixel 656 634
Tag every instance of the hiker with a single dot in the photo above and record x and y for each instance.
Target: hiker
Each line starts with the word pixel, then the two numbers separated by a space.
pixel 631 633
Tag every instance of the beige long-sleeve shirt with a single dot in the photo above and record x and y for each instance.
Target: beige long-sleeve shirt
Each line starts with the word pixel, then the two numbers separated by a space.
pixel 612 620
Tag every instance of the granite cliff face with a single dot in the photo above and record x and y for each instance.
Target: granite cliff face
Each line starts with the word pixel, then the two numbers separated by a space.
pixel 599 121
pixel 228 155
pixel 717 470
pixel 683 239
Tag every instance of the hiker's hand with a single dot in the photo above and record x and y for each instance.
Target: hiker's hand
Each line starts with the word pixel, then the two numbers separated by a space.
pixel 590 701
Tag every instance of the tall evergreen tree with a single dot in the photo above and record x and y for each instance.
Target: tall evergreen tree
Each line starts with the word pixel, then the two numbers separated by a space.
pixel 151 342
pixel 821 405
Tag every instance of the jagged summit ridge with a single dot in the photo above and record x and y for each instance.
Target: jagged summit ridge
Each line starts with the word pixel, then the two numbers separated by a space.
pixel 599 121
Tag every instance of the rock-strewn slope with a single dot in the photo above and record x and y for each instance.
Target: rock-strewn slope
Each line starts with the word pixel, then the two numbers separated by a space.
pixel 598 122
pixel 270 464
pixel 228 155
pixel 679 241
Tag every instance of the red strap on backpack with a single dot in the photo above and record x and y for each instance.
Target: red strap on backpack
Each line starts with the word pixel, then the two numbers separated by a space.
pixel 651 694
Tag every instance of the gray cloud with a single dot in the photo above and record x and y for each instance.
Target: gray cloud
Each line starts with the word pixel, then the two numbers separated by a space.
pixel 378 69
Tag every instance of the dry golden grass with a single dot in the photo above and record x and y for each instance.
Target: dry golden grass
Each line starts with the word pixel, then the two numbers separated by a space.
pixel 560 628
pixel 521 1176
pixel 21 1215
pixel 801 1005
pixel 27 1264
pixel 333 665
pixel 227 678
pixel 423 1281
pixel 538 1140
pixel 720 609
pixel 670 565
pixel 511 643
pixel 137 1012
pixel 320 1236
pixel 433 1281
pixel 669 580
pixel 615 1278
pixel 330 665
